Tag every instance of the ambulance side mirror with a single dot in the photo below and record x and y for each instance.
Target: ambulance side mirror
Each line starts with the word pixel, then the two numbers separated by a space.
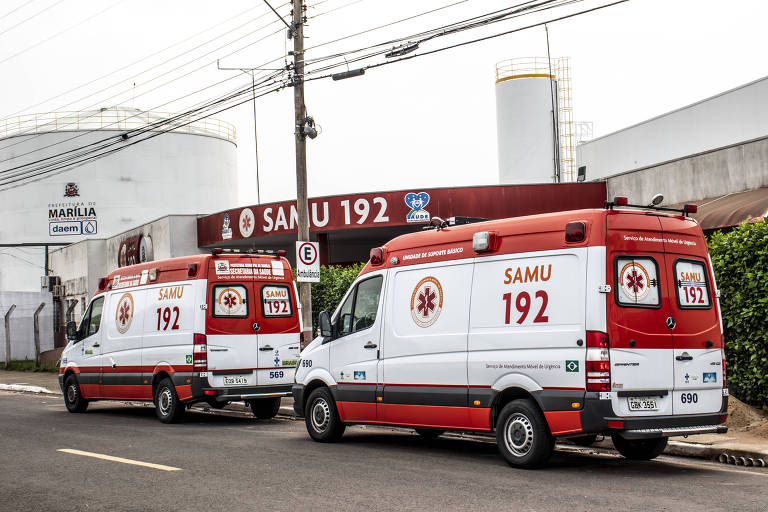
pixel 71 331
pixel 325 324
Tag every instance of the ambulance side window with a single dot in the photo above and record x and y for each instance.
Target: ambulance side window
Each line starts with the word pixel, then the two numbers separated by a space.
pixel 359 310
pixel 95 321
pixel 637 282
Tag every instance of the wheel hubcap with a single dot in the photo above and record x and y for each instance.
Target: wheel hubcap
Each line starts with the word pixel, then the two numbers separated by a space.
pixel 164 401
pixel 518 435
pixel 71 393
pixel 321 415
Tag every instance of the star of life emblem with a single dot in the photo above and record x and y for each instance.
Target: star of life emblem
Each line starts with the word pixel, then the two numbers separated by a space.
pixel 124 313
pixel 230 301
pixel 635 281
pixel 426 302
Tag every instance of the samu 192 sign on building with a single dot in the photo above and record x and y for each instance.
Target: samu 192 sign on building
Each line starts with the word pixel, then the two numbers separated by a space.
pixel 71 216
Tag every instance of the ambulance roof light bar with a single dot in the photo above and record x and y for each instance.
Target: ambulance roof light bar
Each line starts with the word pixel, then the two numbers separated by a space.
pixel 269 252
pixel 654 205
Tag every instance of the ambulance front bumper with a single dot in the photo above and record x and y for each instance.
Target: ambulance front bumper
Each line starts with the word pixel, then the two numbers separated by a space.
pixel 598 417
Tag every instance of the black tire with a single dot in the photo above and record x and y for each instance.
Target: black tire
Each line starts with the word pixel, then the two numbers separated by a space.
pixel 168 407
pixel 73 399
pixel 587 440
pixel 217 405
pixel 523 436
pixel 322 418
pixel 429 433
pixel 639 449
pixel 265 408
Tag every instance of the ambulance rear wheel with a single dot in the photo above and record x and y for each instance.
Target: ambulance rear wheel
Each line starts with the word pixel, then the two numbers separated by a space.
pixel 322 418
pixel 168 407
pixel 523 436
pixel 73 399
pixel 429 433
pixel 265 408
pixel 639 449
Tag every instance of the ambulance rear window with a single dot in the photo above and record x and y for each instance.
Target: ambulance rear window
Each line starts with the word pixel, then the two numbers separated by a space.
pixel 230 301
pixel 692 284
pixel 637 282
pixel 276 301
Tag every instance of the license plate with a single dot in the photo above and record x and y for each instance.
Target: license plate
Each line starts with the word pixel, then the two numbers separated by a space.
pixel 641 403
pixel 236 379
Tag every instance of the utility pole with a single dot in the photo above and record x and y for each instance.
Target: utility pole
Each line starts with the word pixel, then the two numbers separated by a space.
pixel 302 206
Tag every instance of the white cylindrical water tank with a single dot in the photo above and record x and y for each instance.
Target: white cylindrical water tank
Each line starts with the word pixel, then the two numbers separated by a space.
pixel 191 170
pixel 526 121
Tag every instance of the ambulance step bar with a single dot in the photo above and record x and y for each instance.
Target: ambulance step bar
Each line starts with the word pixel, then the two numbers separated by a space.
pixel 253 395
pixel 644 433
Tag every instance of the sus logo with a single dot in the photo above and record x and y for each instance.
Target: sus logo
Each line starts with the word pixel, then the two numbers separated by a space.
pixel 417 203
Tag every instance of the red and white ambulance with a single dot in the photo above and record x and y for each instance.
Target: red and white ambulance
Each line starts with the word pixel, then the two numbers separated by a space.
pixel 567 324
pixel 214 328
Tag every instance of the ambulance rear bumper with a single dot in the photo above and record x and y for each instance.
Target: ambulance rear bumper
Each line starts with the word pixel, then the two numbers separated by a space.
pixel 598 417
pixel 202 390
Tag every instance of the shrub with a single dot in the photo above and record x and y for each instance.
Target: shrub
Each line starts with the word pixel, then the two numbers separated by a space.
pixel 334 283
pixel 740 261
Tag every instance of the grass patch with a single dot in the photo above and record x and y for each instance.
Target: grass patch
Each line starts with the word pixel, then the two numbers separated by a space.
pixel 29 366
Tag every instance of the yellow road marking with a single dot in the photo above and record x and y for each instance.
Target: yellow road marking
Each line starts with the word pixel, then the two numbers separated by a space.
pixel 118 459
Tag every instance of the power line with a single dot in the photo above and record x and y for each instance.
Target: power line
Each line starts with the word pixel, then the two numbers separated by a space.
pixel 43 41
pixel 33 16
pixel 71 161
pixel 139 61
pixel 160 76
pixel 16 9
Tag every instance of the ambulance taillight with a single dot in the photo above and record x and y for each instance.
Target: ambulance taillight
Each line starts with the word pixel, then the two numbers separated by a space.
pixel 598 364
pixel 200 353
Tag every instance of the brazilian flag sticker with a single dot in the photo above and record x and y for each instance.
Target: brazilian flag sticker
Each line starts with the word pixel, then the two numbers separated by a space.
pixel 571 366
pixel 189 359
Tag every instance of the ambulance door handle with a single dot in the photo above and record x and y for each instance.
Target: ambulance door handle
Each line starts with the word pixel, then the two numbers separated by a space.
pixel 96 345
pixel 370 344
pixel 265 348
pixel 684 358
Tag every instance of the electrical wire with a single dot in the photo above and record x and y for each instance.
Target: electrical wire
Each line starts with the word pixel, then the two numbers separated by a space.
pixel 20 7
pixel 38 13
pixel 111 141
pixel 139 61
pixel 37 128
pixel 57 34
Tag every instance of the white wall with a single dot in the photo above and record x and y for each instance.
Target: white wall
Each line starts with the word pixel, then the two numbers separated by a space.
pixel 22 323
pixel 734 116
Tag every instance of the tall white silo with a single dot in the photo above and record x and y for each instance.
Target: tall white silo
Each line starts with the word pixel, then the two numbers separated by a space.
pixel 530 111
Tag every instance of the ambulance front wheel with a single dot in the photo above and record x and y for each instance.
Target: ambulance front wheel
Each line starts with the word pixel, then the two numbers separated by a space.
pixel 265 408
pixel 72 397
pixel 639 449
pixel 168 407
pixel 322 418
pixel 523 436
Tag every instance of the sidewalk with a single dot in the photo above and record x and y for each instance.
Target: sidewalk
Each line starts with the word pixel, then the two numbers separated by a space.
pixel 735 447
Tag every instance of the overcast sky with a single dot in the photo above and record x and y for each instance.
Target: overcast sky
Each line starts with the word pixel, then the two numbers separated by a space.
pixel 427 122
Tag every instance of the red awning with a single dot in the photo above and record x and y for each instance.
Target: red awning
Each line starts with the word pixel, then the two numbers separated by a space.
pixel 731 209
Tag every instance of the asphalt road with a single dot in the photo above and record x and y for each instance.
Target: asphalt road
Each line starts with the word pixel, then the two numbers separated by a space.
pixel 233 462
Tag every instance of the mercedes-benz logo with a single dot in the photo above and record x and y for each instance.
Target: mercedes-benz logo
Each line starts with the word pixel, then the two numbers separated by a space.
pixel 670 323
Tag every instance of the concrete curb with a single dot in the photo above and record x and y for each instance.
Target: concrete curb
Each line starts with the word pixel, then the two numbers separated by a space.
pixel 25 388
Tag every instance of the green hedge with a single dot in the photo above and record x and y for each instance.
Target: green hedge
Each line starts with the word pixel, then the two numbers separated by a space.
pixel 740 261
pixel 334 283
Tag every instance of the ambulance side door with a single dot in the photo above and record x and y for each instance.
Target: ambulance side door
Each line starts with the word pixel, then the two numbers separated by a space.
pixel 89 336
pixel 354 349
